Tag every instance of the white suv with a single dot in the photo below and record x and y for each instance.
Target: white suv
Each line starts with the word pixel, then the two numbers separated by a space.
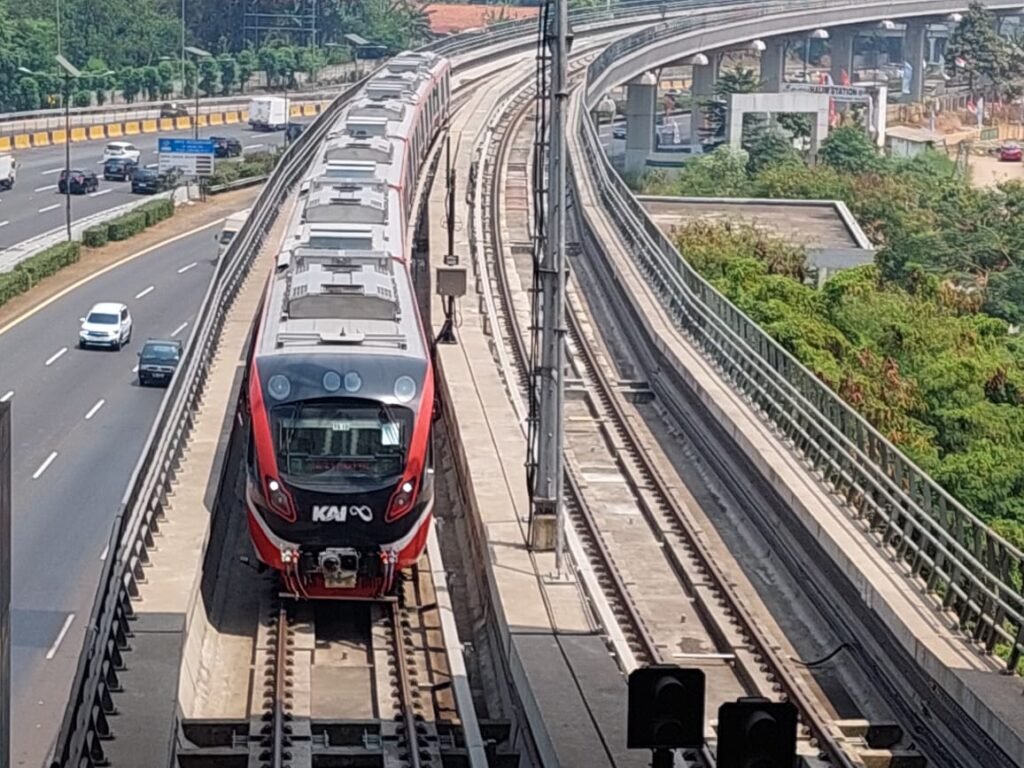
pixel 107 325
pixel 121 150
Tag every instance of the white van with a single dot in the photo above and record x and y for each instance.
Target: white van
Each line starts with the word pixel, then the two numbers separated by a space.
pixel 232 224
pixel 8 171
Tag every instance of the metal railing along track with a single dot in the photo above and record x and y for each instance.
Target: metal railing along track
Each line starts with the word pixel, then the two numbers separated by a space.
pixel 947 548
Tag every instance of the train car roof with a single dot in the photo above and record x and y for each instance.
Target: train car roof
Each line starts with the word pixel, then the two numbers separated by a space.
pixel 329 301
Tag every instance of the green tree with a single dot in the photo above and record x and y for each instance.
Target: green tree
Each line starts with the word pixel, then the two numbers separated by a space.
pixel 247 65
pixel 166 74
pixel 209 76
pixel 151 81
pixel 986 56
pixel 716 108
pixel 229 72
pixel 848 149
pixel 131 83
pixel 28 94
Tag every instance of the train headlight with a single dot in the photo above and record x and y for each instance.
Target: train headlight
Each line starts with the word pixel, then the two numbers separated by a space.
pixel 405 389
pixel 279 386
pixel 353 382
pixel 279 500
pixel 332 381
pixel 401 502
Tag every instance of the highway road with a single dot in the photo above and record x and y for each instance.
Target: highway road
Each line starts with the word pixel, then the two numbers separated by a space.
pixel 79 424
pixel 34 206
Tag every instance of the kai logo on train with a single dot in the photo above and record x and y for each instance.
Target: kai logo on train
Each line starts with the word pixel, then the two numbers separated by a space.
pixel 331 513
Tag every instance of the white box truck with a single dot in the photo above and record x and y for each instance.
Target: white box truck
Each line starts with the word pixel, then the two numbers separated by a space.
pixel 232 224
pixel 268 113
pixel 8 171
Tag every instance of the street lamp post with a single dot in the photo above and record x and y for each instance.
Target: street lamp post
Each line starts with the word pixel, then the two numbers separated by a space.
pixel 69 72
pixel 199 53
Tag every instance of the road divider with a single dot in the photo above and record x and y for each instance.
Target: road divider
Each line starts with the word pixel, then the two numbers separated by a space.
pixel 119 129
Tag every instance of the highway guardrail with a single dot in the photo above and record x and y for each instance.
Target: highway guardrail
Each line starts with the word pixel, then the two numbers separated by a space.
pixel 949 549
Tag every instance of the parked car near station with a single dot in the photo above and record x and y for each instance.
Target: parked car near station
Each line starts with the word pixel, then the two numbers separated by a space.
pixel 80 182
pixel 1010 153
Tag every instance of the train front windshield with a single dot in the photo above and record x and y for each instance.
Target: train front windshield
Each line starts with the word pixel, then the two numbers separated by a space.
pixel 343 443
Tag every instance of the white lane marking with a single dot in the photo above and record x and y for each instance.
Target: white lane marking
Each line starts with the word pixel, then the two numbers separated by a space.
pixel 60 638
pixel 4 223
pixel 53 207
pixel 179 329
pixel 46 189
pixel 252 146
pixel 52 170
pixel 42 467
pixel 187 267
pixel 153 165
pixel 105 552
pixel 56 356
pixel 135 369
pixel 100 272
pixel 7 397
pixel 100 192
pixel 143 293
pixel 92 411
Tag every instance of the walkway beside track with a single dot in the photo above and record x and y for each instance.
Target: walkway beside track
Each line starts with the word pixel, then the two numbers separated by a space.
pixel 994 700
pixel 170 609
pixel 572 692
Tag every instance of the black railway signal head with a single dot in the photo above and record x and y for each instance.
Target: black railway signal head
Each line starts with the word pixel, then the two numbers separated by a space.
pixel 666 708
pixel 756 733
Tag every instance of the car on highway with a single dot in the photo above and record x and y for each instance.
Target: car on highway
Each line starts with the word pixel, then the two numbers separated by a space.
pixel 122 150
pixel 149 181
pixel 158 360
pixel 293 131
pixel 108 324
pixel 1010 153
pixel 80 182
pixel 173 109
pixel 119 169
pixel 619 131
pixel 8 171
pixel 224 147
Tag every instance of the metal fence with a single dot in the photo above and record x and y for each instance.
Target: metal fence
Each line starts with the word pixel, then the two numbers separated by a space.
pixel 976 573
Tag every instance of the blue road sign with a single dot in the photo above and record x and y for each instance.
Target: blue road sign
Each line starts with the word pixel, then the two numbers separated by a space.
pixel 185 146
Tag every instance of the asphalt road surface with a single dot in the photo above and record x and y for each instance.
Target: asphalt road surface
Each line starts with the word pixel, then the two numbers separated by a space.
pixel 34 206
pixel 80 421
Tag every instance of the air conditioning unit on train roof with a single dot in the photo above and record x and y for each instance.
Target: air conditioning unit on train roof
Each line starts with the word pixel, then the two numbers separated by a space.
pixel 352 148
pixel 364 126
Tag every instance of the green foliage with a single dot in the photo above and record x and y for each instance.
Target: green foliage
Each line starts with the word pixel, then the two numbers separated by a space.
pixel 251 166
pixel 848 149
pixel 126 225
pixel 987 57
pixel 37 267
pixel 156 211
pixel 95 237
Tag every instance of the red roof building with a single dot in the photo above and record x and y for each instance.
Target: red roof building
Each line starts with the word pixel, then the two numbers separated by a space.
pixel 449 18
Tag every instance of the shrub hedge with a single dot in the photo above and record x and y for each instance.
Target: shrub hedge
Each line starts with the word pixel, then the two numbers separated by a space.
pixel 34 269
pixel 126 226
pixel 157 210
pixel 95 237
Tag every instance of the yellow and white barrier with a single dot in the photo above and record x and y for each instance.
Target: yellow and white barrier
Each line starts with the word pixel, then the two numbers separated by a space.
pixel 136 127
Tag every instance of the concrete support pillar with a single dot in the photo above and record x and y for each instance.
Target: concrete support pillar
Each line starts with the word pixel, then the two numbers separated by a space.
pixel 773 66
pixel 916 38
pixel 641 95
pixel 703 88
pixel 841 44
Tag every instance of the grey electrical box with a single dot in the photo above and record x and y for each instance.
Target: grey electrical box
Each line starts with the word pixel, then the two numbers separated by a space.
pixel 451 281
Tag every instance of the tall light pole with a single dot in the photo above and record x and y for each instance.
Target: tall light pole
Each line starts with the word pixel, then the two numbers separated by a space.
pixel 199 53
pixel 69 72
pixel 183 47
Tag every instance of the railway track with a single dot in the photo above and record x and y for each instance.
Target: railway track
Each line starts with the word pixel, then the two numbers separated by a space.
pixel 671 599
pixel 361 681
